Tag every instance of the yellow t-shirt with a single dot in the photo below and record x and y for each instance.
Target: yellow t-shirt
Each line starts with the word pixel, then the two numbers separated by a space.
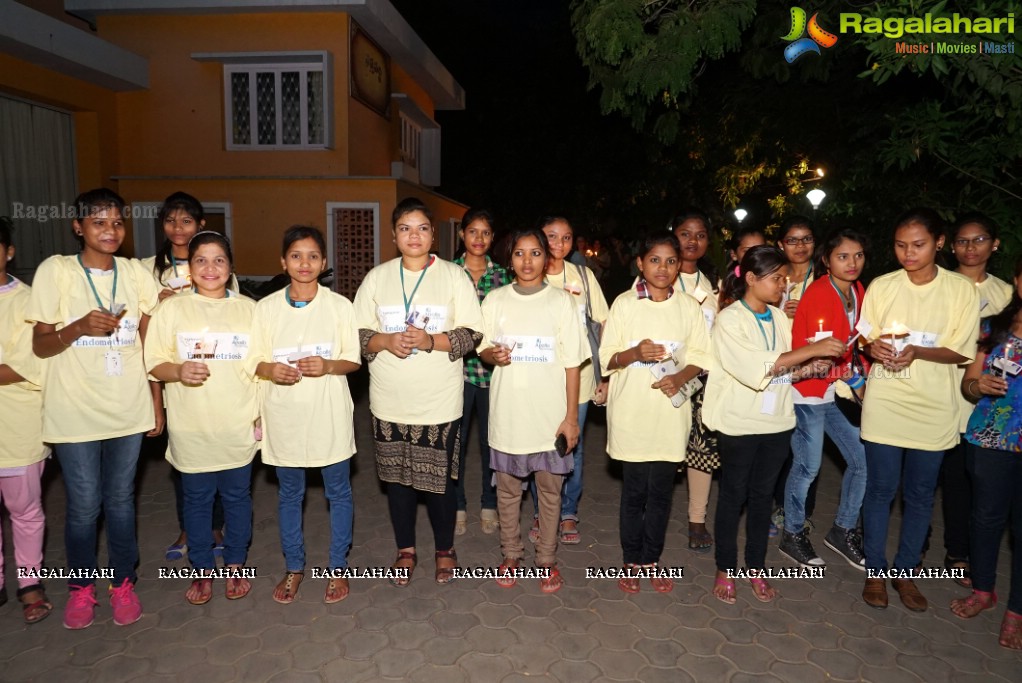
pixel 21 417
pixel 700 288
pixel 527 397
pixel 425 388
pixel 210 425
pixel 179 269
pixel 742 397
pixel 642 425
pixel 994 297
pixel 798 286
pixel 308 424
pixel 97 388
pixel 919 407
pixel 570 280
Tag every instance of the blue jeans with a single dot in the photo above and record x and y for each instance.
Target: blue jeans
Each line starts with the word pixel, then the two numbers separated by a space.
pixel 807 448
pixel 997 499
pixel 337 487
pixel 100 475
pixel 478 398
pixel 235 488
pixel 883 474
pixel 572 491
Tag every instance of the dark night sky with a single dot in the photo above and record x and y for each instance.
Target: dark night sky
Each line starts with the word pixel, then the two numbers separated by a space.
pixel 531 140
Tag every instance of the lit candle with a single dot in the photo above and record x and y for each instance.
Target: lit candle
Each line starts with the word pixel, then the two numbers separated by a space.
pixel 821 324
pixel 893 327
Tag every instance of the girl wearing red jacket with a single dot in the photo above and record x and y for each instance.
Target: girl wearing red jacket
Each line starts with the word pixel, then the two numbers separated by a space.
pixel 830 306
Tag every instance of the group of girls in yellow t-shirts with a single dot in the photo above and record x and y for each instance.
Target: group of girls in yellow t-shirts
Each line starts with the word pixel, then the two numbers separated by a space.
pixel 238 376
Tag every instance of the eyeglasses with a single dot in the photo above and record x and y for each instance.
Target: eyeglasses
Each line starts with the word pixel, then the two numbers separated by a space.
pixel 976 241
pixel 794 241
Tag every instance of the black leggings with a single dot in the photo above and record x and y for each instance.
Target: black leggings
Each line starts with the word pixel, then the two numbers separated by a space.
pixel 442 508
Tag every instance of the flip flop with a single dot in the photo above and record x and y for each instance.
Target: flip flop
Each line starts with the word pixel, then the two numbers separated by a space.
pixel 729 598
pixel 287 590
pixel 336 590
pixel 205 589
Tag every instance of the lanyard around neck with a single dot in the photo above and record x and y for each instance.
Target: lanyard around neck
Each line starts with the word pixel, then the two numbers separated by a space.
pixel 772 344
pixel 92 285
pixel 850 302
pixel 404 295
pixel 681 279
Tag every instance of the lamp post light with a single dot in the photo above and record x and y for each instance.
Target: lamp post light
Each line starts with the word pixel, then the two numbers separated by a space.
pixel 740 214
pixel 816 197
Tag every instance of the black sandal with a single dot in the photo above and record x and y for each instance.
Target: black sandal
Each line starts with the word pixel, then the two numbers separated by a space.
pixel 446 574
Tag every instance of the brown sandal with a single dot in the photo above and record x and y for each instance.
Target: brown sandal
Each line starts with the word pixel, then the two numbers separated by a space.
pixel 1011 631
pixel 403 578
pixel 446 574
pixel 507 569
pixel 336 590
pixel 204 591
pixel 287 590
pixel 35 605
pixel 627 583
pixel 552 582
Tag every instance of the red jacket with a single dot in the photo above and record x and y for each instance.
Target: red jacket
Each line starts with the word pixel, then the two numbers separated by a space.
pixel 822 302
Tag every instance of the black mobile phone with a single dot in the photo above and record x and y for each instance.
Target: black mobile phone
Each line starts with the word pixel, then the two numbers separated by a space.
pixel 561 444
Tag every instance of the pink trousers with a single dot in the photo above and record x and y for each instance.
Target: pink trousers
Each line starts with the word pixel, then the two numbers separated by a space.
pixel 22 496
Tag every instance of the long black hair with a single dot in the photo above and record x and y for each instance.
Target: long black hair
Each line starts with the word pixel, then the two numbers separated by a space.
pixel 177 201
pixel 760 260
pixel 831 242
pixel 1001 324
pixel 704 264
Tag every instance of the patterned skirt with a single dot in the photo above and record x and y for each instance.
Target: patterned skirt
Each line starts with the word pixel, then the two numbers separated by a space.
pixel 421 456
pixel 703 454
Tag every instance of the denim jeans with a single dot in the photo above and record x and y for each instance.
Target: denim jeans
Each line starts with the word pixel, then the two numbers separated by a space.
pixel 100 475
pixel 572 491
pixel 997 498
pixel 749 467
pixel 179 500
pixel 918 481
pixel 478 398
pixel 337 488
pixel 235 487
pixel 807 448
pixel 647 489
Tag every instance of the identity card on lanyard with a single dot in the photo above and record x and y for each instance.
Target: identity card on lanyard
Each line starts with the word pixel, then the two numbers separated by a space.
pixel 114 360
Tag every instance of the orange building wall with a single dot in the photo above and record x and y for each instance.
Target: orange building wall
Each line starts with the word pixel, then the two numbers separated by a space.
pixel 177 126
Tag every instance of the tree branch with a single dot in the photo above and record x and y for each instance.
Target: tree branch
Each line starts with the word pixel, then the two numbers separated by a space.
pixel 976 177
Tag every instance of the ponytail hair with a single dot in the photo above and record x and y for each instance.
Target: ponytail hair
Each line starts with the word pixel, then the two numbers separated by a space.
pixel 177 201
pixel 1001 324
pixel 760 260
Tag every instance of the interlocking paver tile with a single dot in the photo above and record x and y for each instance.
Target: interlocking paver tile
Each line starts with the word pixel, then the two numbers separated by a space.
pixel 822 636
pixel 310 656
pixel 653 674
pixel 751 658
pixel 735 630
pixel 573 620
pixel 410 635
pixel 806 672
pixel 490 640
pixel 532 629
pixel 618 611
pixel 742 677
pixel 349 670
pixel 116 669
pixel 572 671
pixel 786 647
pixel 530 658
pixel 377 618
pixel 230 648
pixel 496 616
pixel 330 628
pixel 295 677
pixel 429 673
pixel 445 651
pixel 281 638
pixel 660 652
pixel 700 641
pixel 903 639
pixel 620 666
pixel 174 658
pixel 875 674
pixel 872 651
pixel 693 615
pixel 654 625
pixel 614 636
pixel 102 648
pixel 961 657
pixel 421 609
pixel 1004 669
pixel 453 623
pixel 712 668
pixel 525 678
pixel 927 668
pixel 840 665
pixel 575 646
pixel 262 666
pixel 363 644
pixel 400 667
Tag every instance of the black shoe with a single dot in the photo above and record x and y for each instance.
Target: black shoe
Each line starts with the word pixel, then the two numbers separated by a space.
pixel 848 544
pixel 800 549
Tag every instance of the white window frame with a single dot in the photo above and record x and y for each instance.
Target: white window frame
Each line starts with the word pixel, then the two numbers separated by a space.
pixel 331 236
pixel 276 62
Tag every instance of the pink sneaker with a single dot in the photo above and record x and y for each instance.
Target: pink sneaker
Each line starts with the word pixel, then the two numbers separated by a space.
pixel 125 604
pixel 80 610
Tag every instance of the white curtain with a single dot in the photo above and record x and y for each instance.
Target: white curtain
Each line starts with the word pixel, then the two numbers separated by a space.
pixel 37 177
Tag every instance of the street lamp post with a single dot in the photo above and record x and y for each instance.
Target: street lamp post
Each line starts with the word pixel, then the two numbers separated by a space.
pixel 740 214
pixel 816 197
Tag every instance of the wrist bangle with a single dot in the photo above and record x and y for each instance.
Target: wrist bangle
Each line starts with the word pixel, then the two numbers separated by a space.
pixel 615 360
pixel 972 387
pixel 856 381
pixel 432 344
pixel 65 345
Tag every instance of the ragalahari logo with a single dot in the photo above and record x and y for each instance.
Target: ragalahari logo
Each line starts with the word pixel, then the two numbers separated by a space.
pixel 817 36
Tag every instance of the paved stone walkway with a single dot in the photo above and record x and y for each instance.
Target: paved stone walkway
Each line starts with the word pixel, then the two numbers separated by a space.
pixel 473 630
